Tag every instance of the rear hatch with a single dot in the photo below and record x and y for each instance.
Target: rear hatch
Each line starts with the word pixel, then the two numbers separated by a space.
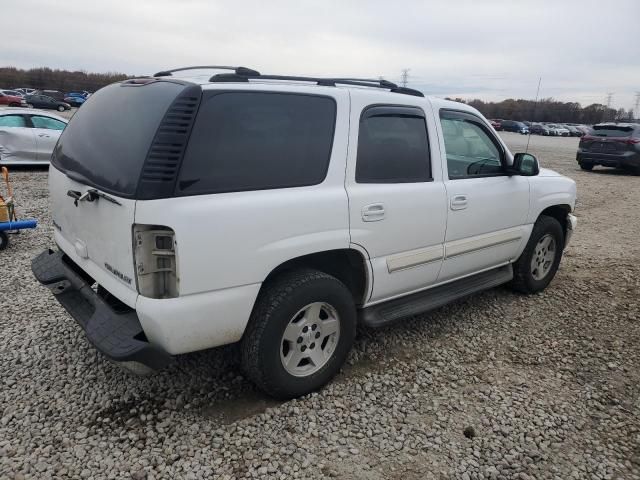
pixel 124 144
pixel 609 139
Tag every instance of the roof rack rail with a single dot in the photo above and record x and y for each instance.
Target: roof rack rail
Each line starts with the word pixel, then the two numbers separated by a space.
pixel 244 76
pixel 244 71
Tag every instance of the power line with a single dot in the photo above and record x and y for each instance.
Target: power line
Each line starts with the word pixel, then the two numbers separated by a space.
pixel 405 77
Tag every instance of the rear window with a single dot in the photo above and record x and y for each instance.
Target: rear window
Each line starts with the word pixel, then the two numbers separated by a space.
pixel 256 140
pixel 106 142
pixel 612 131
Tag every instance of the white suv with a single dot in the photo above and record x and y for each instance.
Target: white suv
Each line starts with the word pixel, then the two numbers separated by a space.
pixel 281 211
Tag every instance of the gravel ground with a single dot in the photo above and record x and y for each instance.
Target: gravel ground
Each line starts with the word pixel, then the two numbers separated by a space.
pixel 497 386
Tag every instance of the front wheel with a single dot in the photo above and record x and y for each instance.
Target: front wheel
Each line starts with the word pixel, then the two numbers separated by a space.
pixel 539 262
pixel 61 108
pixel 586 166
pixel 299 334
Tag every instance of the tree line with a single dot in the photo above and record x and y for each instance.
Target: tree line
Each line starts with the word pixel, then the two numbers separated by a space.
pixel 545 110
pixel 549 110
pixel 49 79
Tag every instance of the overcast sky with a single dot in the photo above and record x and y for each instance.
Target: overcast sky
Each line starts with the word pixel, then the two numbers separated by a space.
pixel 489 49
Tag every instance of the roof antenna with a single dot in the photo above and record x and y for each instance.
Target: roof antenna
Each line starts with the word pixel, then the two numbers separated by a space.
pixel 526 150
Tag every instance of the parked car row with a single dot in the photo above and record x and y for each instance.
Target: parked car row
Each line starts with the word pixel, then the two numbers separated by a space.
pixel 545 128
pixel 559 129
pixel 48 99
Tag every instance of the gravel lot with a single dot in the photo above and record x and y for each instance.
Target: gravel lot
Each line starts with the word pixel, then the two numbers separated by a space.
pixel 546 386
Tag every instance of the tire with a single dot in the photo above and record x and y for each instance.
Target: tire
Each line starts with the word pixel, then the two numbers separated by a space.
pixel 61 108
pixel 265 349
pixel 526 278
pixel 586 166
pixel 14 104
pixel 4 240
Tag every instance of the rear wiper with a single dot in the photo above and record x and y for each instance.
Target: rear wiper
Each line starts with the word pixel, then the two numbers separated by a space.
pixel 93 194
pixel 90 195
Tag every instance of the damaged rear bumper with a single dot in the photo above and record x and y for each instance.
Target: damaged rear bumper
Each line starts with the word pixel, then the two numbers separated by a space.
pixel 110 326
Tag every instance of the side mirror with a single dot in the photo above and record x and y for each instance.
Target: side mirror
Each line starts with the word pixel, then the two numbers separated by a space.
pixel 525 164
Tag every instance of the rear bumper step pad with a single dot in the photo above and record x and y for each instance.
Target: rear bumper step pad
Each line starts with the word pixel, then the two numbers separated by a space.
pixel 117 334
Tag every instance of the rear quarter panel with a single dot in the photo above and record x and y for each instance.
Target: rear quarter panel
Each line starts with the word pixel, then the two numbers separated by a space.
pixel 233 239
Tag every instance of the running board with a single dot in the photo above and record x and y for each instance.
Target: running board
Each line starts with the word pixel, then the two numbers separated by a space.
pixel 393 310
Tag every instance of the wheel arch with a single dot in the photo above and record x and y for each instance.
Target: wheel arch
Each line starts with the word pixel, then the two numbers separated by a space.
pixel 348 265
pixel 559 212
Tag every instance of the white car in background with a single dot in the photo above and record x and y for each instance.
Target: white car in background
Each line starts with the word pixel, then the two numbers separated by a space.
pixel 559 130
pixel 28 137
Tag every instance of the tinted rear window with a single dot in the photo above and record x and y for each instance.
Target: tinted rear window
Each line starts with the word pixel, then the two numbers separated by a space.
pixel 612 131
pixel 256 141
pixel 107 140
pixel 393 149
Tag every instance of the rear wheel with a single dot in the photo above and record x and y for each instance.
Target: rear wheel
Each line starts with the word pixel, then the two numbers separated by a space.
pixel 299 334
pixel 4 240
pixel 586 166
pixel 539 262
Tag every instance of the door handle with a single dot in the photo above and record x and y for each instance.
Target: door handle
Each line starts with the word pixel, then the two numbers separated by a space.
pixel 373 212
pixel 43 135
pixel 459 202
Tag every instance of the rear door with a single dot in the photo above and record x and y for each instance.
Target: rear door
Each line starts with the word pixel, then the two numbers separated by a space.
pixel 17 140
pixel 95 176
pixel 47 131
pixel 396 196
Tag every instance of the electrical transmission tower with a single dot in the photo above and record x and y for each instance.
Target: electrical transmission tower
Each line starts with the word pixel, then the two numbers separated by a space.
pixel 404 78
pixel 609 98
pixel 636 110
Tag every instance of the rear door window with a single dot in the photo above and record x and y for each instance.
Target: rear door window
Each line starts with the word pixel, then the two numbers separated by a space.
pixel 393 146
pixel 257 140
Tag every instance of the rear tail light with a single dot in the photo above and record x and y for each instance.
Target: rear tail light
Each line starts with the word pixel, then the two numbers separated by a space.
pixel 632 141
pixel 155 257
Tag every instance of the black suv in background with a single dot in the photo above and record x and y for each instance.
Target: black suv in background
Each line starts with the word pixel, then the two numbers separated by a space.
pixel 512 126
pixel 611 145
